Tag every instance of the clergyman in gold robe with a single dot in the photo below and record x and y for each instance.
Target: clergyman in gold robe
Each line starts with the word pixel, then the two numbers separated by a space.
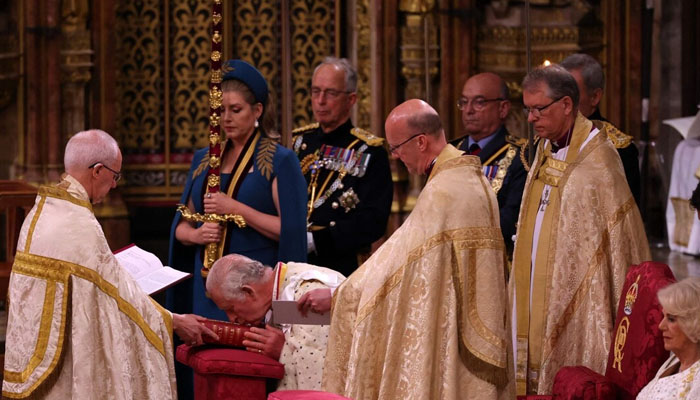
pixel 424 317
pixel 79 326
pixel 578 232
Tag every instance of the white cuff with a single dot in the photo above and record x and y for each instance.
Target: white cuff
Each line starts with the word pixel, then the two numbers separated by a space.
pixel 310 245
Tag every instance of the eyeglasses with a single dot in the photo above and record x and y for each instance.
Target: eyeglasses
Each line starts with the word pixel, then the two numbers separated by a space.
pixel 478 103
pixel 330 93
pixel 117 174
pixel 392 149
pixel 537 111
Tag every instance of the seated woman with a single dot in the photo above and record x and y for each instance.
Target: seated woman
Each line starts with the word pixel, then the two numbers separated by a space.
pixel 679 376
pixel 260 180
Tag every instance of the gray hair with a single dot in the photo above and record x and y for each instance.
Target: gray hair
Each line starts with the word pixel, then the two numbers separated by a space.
pixel 231 272
pixel 682 299
pixel 559 82
pixel 344 65
pixel 89 147
pixel 590 68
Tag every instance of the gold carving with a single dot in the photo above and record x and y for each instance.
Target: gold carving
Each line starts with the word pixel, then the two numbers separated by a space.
pixel 189 108
pixel 215 55
pixel 216 18
pixel 364 64
pixel 216 76
pixel 214 120
pixel 215 98
pixel 213 180
pixel 140 76
pixel 312 40
pixel 214 139
pixel 214 161
pixel 216 38
pixel 196 217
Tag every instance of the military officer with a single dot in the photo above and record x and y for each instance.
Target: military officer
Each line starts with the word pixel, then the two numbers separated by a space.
pixel 591 82
pixel 484 104
pixel 346 170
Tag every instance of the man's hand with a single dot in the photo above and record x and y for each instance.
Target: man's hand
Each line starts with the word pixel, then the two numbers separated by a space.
pixel 317 300
pixel 268 341
pixel 190 331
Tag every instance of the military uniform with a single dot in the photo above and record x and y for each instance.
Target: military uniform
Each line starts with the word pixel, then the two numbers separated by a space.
pixel 350 192
pixel 628 153
pixel 503 167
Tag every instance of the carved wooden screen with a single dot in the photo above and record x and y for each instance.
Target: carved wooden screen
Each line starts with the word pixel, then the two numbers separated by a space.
pixel 163 69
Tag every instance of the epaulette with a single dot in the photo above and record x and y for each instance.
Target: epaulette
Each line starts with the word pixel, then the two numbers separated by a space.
pixel 618 138
pixel 367 137
pixel 517 141
pixel 305 128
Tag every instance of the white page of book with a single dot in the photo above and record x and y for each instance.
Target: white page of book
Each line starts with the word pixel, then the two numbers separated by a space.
pixel 156 280
pixel 147 270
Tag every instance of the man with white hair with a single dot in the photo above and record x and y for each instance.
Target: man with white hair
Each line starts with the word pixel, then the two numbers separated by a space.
pixel 245 288
pixel 79 326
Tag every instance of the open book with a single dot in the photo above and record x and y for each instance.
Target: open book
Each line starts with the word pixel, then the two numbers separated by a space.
pixel 147 270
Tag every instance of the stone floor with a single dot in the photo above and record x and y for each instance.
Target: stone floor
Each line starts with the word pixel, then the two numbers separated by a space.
pixel 682 265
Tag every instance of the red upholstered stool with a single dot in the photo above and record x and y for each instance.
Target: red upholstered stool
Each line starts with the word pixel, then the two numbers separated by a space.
pixel 225 373
pixel 305 395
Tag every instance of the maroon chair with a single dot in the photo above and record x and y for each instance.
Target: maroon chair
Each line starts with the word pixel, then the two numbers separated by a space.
pixel 637 350
pixel 226 373
pixel 305 395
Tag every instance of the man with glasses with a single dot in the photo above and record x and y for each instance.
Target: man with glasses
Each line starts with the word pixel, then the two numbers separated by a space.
pixel 591 82
pixel 484 105
pixel 91 328
pixel 579 231
pixel 346 170
pixel 424 317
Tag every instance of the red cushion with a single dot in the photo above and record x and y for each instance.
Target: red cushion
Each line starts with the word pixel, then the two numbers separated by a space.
pixel 582 383
pixel 535 397
pixel 304 395
pixel 223 373
pixel 643 351
pixel 217 360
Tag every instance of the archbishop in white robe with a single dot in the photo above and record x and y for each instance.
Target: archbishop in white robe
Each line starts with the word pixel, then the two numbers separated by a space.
pixel 78 325
pixel 424 317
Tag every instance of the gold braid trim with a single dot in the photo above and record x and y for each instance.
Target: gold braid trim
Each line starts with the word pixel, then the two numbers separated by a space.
pixel 266 153
pixel 306 128
pixel 367 137
pixel 618 138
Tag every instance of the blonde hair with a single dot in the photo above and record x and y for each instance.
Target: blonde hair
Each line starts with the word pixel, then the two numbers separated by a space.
pixel 682 299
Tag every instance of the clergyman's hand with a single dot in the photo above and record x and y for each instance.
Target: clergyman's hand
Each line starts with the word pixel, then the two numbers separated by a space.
pixel 268 341
pixel 317 300
pixel 189 329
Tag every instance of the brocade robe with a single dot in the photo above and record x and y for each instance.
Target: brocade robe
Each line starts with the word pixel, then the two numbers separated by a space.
pixel 581 226
pixel 424 317
pixel 670 384
pixel 79 326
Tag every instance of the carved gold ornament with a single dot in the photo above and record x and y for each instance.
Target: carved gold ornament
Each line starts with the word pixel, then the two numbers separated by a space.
pixel 214 119
pixel 218 218
pixel 214 161
pixel 215 98
pixel 216 18
pixel 215 55
pixel 216 38
pixel 216 76
pixel 213 180
pixel 214 139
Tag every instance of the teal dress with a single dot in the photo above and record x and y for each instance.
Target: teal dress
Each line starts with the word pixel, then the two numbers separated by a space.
pixel 270 161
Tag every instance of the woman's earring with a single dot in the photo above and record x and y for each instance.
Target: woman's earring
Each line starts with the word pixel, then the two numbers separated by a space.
pixel 256 123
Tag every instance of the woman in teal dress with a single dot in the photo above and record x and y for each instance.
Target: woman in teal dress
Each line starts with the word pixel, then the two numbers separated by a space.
pixel 270 194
